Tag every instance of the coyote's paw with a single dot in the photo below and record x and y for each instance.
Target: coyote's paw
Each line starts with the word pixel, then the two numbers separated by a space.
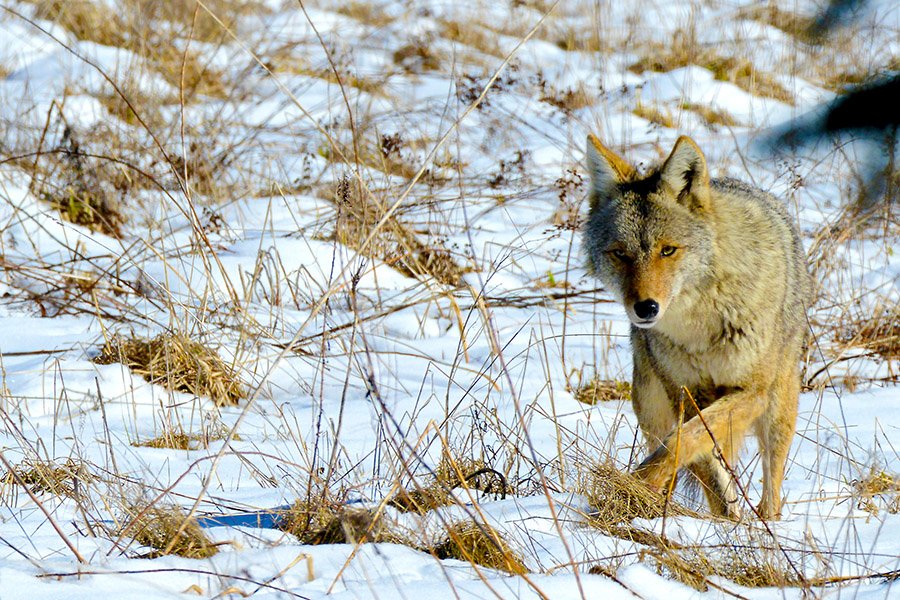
pixel 657 469
pixel 770 511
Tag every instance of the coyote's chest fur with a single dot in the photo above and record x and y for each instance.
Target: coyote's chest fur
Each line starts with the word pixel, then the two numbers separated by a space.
pixel 703 347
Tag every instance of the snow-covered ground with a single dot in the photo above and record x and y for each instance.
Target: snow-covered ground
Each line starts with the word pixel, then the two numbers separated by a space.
pixel 362 376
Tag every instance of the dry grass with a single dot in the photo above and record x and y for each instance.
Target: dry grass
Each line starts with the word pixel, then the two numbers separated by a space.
pixel 57 478
pixel 82 189
pixel 130 28
pixel 138 105
pixel 480 544
pixel 793 24
pixel 371 86
pixel 568 100
pixel 746 564
pixel 365 12
pixel 87 206
pixel 86 19
pixel 321 522
pixel 877 490
pixel 187 72
pixel 685 51
pixel 359 211
pixel 654 115
pixel 176 439
pixel 714 118
pixel 178 363
pixel 449 475
pixel 191 19
pixel 602 390
pixel 471 34
pixel 93 21
pixel 878 332
pixel 168 531
pixel 385 154
pixel 572 40
pixel 418 57
pixel 618 498
pixel 201 169
pixel 841 79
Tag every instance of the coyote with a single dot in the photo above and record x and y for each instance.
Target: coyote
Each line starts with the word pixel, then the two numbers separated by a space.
pixel 714 280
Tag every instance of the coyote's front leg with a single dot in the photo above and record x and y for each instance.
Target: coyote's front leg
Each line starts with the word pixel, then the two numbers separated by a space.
pixel 658 469
pixel 721 426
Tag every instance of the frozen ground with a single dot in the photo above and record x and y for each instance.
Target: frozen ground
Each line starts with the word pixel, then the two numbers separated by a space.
pixel 362 376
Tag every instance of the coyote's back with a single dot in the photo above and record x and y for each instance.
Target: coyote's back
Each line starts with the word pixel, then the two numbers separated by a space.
pixel 713 278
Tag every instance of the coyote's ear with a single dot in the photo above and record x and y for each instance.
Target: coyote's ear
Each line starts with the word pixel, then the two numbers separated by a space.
pixel 686 174
pixel 607 170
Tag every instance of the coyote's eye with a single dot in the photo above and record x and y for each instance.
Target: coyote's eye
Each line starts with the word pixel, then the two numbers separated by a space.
pixel 619 253
pixel 667 250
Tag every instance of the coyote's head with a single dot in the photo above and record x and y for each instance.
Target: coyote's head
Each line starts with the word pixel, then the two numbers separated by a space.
pixel 649 237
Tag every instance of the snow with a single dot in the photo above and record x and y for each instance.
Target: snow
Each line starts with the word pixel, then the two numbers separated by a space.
pixel 368 375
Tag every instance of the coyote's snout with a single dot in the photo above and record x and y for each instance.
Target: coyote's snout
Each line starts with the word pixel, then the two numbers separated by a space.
pixel 713 278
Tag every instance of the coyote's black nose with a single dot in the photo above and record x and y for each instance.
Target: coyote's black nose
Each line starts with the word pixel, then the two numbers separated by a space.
pixel 646 309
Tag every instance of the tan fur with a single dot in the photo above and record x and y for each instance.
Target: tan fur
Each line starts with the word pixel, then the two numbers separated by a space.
pixel 730 324
pixel 622 169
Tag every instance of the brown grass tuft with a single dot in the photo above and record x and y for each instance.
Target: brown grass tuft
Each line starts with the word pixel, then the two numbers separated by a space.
pixel 201 169
pixel 841 79
pixel 603 390
pixel 654 115
pixel 358 213
pixel 572 40
pixel 567 100
pixel 385 155
pixel 468 33
pixel 480 544
pixel 128 28
pixel 876 490
pixel 364 84
pixel 747 564
pixel 741 72
pixel 320 522
pixel 175 439
pixel 618 497
pixel 142 105
pixel 366 12
pixel 87 206
pixel 87 20
pixel 78 187
pixel 164 529
pixel 878 332
pixel 449 475
pixel 417 57
pixel 186 72
pixel 798 26
pixel 178 363
pixel 713 118
pixel 91 20
pixel 57 478
pixel 189 18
